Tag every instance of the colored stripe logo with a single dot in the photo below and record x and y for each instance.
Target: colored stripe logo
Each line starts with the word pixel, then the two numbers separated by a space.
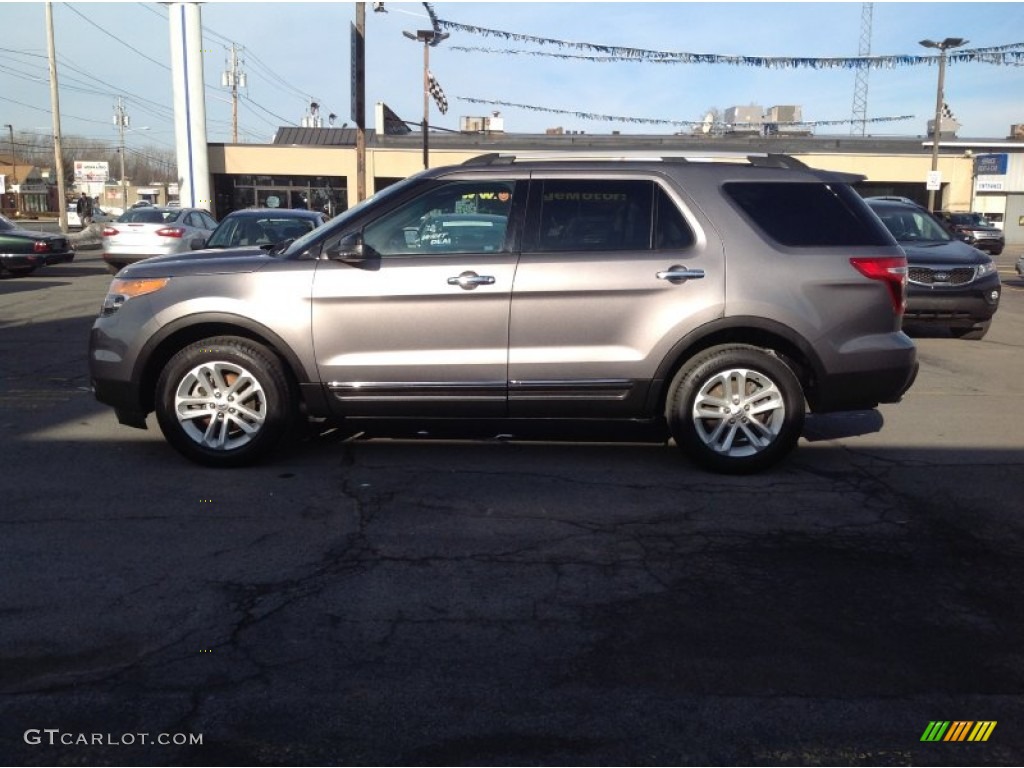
pixel 959 730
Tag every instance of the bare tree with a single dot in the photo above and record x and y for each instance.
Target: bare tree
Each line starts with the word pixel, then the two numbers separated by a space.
pixel 143 165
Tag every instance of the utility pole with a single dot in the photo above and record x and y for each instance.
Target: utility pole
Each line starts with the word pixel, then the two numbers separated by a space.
pixel 428 37
pixel 234 79
pixel 14 164
pixel 358 85
pixel 58 152
pixel 121 121
pixel 943 46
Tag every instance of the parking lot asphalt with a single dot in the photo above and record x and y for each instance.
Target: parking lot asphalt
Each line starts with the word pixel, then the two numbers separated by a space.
pixel 390 602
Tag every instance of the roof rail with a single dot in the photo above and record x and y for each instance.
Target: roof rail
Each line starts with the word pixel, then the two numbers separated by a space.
pixel 491 158
pixel 763 159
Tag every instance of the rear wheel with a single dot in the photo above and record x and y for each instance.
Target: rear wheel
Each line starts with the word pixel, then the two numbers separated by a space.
pixel 975 333
pixel 224 402
pixel 736 409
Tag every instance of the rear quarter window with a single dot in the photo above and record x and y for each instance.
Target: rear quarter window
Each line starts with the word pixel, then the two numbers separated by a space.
pixel 808 214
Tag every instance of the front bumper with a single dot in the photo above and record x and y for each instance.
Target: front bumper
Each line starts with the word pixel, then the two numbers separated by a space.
pixel 960 305
pixel 991 245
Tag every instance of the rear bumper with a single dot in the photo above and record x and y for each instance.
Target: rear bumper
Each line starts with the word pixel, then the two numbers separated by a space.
pixel 869 370
pixel 864 390
pixel 64 257
pixel 21 261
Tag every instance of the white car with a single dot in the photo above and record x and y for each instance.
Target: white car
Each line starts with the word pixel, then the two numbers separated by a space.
pixel 99 216
pixel 140 233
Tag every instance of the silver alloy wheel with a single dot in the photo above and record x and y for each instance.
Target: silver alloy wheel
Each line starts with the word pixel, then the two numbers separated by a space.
pixel 220 405
pixel 738 412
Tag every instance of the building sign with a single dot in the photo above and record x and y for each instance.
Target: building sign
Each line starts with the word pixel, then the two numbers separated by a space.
pixel 87 171
pixel 990 186
pixel 990 165
pixel 990 173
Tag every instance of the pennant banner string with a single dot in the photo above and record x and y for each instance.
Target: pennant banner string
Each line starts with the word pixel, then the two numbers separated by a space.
pixel 678 123
pixel 1009 58
pixel 1012 53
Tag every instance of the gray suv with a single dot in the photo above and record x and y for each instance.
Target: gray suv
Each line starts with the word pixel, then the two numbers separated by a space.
pixel 711 301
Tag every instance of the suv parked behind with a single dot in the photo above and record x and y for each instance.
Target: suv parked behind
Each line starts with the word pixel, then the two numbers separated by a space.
pixel 974 229
pixel 710 301
pixel 949 283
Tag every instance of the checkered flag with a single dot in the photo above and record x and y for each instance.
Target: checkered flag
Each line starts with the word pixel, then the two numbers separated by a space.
pixel 947 112
pixel 437 93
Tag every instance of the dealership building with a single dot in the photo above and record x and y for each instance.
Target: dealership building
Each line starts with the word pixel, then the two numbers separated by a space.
pixel 316 167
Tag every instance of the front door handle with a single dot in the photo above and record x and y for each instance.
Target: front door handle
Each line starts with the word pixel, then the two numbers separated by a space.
pixel 679 274
pixel 470 280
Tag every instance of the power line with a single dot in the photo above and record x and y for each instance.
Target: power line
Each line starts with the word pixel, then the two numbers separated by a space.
pixel 108 34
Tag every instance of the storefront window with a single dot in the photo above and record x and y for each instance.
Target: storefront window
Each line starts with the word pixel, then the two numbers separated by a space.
pixel 322 193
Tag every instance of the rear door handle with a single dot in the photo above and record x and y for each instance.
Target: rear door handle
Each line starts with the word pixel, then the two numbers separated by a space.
pixel 679 274
pixel 470 280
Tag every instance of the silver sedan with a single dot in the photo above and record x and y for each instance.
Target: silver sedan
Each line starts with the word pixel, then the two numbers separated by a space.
pixel 139 233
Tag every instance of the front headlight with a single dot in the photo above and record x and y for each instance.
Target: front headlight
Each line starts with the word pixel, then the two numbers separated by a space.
pixel 122 289
pixel 986 269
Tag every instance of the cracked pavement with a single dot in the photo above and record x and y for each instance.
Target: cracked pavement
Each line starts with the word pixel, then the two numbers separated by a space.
pixel 389 602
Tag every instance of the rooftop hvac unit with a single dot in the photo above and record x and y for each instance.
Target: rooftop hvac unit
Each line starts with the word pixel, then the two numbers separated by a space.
pixel 495 123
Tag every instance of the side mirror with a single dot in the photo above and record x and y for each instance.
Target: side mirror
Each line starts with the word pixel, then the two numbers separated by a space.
pixel 351 250
pixel 197 243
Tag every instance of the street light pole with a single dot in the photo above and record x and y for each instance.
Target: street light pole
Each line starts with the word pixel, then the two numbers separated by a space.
pixel 14 167
pixel 428 37
pixel 949 42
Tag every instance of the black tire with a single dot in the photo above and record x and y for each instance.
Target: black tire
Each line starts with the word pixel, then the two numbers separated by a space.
pixel 975 333
pixel 748 431
pixel 242 387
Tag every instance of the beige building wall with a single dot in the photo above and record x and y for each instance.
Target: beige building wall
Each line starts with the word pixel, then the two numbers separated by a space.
pixel 957 172
pixel 384 162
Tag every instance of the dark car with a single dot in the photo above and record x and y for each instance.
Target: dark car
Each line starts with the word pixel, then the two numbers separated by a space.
pixel 22 251
pixel 949 282
pixel 261 227
pixel 974 229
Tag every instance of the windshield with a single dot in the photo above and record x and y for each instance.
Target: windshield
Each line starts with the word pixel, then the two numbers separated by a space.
pixel 341 220
pixel 912 226
pixel 147 216
pixel 5 224
pixel 261 230
pixel 971 220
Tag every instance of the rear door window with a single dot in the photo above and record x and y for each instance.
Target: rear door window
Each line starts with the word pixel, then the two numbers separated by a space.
pixel 606 215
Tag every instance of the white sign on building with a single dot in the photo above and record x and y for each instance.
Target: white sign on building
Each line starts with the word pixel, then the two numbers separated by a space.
pixel 88 171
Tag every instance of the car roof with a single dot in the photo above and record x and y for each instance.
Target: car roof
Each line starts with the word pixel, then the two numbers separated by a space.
pixel 298 213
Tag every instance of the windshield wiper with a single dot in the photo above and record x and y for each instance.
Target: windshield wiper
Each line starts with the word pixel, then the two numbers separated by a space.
pixel 279 247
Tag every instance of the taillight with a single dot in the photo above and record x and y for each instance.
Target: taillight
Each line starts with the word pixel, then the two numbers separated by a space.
pixel 892 270
pixel 109 232
pixel 171 231
pixel 40 246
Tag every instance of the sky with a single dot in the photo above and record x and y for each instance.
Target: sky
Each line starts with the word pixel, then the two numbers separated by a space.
pixel 294 53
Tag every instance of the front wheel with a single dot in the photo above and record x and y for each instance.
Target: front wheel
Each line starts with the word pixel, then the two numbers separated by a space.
pixel 736 409
pixel 224 402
